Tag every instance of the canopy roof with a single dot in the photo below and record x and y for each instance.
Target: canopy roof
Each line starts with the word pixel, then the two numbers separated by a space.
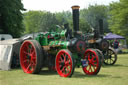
pixel 111 36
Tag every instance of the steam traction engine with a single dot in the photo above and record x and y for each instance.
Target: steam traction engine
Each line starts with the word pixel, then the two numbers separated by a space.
pixel 95 40
pixel 57 51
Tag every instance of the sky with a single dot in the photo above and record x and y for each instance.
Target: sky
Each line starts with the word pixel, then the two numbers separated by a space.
pixel 60 5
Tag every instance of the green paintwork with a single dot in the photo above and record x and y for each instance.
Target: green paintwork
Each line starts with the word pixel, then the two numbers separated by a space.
pixel 62 44
pixel 52 39
pixel 57 41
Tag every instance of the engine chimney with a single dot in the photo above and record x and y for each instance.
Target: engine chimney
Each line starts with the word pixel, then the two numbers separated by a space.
pixel 75 11
pixel 101 27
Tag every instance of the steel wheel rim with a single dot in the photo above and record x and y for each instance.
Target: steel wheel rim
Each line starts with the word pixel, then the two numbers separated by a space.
pixel 28 57
pixel 93 63
pixel 111 57
pixel 64 64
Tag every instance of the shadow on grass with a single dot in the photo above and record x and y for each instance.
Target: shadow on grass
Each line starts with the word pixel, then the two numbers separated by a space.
pixel 76 74
pixel 115 65
pixel 123 53
pixel 47 72
pixel 80 75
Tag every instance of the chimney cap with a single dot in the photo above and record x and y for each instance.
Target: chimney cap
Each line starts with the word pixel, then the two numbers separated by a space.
pixel 75 7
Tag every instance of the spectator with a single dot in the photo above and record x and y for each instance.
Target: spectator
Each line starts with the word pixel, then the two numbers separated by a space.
pixel 115 44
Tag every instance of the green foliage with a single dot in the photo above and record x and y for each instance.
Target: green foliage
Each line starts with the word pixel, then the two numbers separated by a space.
pixel 83 23
pixel 84 26
pixel 32 20
pixel 95 13
pixel 63 17
pixel 118 21
pixel 11 17
pixel 48 22
pixel 37 21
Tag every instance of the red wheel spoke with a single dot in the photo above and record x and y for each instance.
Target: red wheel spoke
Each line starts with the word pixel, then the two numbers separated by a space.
pixel 64 57
pixel 28 56
pixel 26 52
pixel 32 50
pixel 27 48
pixel 61 60
pixel 94 64
pixel 88 56
pixel 94 68
pixel 63 69
pixel 70 65
pixel 68 69
pixel 33 61
pixel 67 62
pixel 27 60
pixel 94 61
pixel 93 56
pixel 34 58
pixel 60 66
pixel 28 68
pixel 33 65
pixel 64 63
pixel 90 68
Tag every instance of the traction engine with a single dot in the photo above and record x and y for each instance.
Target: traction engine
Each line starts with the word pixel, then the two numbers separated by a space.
pixel 59 51
pixel 95 40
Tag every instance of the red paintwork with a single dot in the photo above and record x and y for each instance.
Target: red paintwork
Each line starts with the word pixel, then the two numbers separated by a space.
pixel 28 57
pixel 93 62
pixel 82 43
pixel 66 69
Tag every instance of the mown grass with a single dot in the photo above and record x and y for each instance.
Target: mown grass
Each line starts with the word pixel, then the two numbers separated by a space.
pixel 108 75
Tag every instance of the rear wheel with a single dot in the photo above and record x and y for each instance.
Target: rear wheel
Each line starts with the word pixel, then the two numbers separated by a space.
pixel 94 62
pixel 100 54
pixel 65 63
pixel 110 57
pixel 31 56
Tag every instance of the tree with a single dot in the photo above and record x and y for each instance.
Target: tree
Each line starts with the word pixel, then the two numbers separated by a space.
pixel 11 17
pixel 83 23
pixel 93 14
pixel 32 21
pixel 64 17
pixel 118 20
pixel 48 22
pixel 37 21
pixel 84 26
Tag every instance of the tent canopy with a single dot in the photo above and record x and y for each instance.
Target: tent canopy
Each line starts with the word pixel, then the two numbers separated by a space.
pixel 111 36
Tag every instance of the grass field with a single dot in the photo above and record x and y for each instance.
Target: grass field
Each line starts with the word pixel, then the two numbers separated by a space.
pixel 108 75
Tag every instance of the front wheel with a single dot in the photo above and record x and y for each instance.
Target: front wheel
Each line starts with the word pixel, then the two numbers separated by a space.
pixel 94 62
pixel 65 63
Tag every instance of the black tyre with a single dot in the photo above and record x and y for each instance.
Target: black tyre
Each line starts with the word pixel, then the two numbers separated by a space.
pixel 100 55
pixel 31 57
pixel 94 62
pixel 65 63
pixel 110 57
